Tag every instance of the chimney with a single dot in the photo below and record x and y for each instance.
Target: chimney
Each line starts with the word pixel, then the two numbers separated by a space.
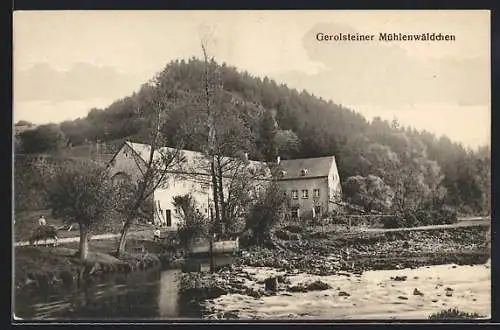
pixel 278 159
pixel 246 156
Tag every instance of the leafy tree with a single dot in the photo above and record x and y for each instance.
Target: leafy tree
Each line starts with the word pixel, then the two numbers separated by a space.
pixel 269 210
pixel 370 192
pixel 23 123
pixel 193 223
pixel 287 143
pixel 82 193
pixel 43 139
pixel 259 111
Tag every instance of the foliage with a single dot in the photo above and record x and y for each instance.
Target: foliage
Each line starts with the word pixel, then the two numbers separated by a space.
pixel 23 123
pixel 256 115
pixel 454 314
pixel 270 209
pixel 31 176
pixel 42 233
pixel 82 193
pixel 42 139
pixel 413 218
pixel 193 224
pixel 369 192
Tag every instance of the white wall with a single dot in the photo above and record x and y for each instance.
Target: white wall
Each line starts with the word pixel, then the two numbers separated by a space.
pixel 164 197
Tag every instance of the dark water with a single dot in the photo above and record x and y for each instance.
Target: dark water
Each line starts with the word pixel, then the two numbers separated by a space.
pixel 140 295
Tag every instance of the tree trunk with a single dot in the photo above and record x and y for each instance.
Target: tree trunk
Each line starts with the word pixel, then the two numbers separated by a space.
pixel 84 243
pixel 223 224
pixel 215 191
pixel 212 264
pixel 123 239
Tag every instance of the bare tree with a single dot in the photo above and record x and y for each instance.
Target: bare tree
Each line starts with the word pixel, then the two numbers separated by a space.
pixel 155 169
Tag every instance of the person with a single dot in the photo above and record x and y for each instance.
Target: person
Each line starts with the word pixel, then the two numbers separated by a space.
pixel 42 221
pixel 156 234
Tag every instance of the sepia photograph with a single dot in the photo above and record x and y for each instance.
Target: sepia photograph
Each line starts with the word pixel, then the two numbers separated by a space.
pixel 251 165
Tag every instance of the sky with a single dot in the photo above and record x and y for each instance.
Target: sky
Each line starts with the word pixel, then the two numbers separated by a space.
pixel 67 62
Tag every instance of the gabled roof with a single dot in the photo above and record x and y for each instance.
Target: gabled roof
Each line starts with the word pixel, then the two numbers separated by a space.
pixel 197 163
pixel 194 162
pixel 191 157
pixel 315 167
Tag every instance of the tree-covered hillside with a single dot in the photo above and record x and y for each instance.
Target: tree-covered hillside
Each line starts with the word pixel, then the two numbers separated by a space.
pixel 383 166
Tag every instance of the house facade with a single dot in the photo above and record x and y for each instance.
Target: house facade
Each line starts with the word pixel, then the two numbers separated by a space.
pixel 311 184
pixel 189 175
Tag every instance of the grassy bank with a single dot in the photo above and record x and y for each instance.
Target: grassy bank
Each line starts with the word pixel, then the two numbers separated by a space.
pixel 48 266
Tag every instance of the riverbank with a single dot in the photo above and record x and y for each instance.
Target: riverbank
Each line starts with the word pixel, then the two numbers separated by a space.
pixel 347 256
pixel 51 266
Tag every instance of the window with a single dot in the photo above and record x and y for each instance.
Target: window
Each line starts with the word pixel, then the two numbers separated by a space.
pixel 305 193
pixel 295 194
pixel 295 213
pixel 316 193
pixel 303 172
pixel 168 216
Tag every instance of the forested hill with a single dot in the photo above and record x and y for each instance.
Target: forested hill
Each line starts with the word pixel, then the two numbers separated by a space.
pixel 378 155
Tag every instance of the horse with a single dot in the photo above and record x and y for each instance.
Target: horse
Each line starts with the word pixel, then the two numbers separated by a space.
pixel 43 233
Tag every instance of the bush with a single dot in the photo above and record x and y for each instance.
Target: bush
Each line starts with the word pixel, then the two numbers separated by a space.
pixel 454 314
pixel 446 215
pixel 339 220
pixel 392 222
pixel 421 217
pixel 247 239
pixel 42 233
pixel 294 229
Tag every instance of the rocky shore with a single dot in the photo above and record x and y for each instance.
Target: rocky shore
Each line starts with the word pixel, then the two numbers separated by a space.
pixel 346 256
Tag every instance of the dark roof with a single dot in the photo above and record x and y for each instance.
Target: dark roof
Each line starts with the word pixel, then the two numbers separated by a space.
pixel 315 167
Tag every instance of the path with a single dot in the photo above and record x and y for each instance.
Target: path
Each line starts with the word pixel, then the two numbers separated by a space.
pixel 462 222
pixel 77 238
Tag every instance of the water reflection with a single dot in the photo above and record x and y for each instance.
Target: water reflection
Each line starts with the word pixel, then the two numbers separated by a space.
pixel 168 297
pixel 142 295
pixel 108 300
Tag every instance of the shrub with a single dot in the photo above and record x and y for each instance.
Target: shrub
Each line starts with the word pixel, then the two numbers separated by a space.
pixel 194 225
pixel 454 314
pixel 392 222
pixel 294 229
pixel 42 233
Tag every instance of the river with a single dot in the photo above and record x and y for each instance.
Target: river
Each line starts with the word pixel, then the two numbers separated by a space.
pixel 154 295
pixel 150 294
pixel 141 295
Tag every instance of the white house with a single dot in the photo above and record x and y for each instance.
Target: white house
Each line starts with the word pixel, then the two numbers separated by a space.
pixel 312 183
pixel 189 175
